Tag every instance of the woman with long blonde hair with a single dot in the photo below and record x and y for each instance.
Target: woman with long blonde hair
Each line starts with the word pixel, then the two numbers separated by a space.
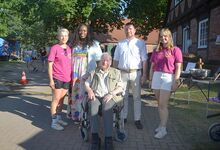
pixel 166 61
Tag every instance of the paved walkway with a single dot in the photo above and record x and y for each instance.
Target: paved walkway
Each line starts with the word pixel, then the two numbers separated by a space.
pixel 25 120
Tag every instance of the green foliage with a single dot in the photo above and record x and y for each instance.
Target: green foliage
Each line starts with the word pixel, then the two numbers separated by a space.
pixel 10 19
pixel 37 36
pixel 40 19
pixel 69 13
pixel 147 15
pixel 106 15
pixel 35 22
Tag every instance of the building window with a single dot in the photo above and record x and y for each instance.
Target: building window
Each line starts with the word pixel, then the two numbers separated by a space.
pixel 185 39
pixel 176 2
pixel 203 34
pixel 174 38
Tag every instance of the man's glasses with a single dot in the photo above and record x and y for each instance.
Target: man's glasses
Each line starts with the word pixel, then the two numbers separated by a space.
pixel 65 51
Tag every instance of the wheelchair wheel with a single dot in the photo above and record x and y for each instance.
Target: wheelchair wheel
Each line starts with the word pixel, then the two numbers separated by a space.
pixel 214 132
pixel 84 134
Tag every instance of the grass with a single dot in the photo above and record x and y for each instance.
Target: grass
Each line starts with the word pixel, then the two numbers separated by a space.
pixel 3 63
pixel 195 94
pixel 190 116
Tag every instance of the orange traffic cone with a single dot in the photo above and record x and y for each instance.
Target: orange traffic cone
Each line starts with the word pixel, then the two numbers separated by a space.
pixel 23 80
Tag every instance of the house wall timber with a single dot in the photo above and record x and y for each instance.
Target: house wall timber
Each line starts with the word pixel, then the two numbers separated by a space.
pixel 185 19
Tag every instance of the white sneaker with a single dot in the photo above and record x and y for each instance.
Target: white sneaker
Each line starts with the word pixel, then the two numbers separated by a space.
pixel 62 123
pixel 157 129
pixel 57 126
pixel 161 133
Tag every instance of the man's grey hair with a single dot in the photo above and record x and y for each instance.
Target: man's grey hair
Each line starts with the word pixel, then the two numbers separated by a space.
pixel 106 54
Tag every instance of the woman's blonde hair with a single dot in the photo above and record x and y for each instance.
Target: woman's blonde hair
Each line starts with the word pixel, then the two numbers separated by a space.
pixel 167 32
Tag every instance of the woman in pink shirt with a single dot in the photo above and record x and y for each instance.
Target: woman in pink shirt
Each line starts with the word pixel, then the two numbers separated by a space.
pixel 166 61
pixel 59 71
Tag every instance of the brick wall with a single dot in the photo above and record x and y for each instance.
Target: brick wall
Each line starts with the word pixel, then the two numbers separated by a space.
pixel 193 35
pixel 214 50
pixel 179 36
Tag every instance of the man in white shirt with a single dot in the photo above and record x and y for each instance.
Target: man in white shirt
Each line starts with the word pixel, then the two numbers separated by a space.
pixel 131 58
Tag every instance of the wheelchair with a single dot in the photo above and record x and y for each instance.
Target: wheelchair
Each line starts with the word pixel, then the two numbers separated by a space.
pixel 120 134
pixel 214 129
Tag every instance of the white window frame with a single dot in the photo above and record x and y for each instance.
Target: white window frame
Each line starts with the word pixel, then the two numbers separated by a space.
pixel 176 2
pixel 174 38
pixel 203 34
pixel 185 39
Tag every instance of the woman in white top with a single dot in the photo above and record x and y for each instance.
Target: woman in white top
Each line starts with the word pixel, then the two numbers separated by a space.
pixel 85 53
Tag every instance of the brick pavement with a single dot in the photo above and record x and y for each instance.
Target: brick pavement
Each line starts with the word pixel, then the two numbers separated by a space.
pixel 25 121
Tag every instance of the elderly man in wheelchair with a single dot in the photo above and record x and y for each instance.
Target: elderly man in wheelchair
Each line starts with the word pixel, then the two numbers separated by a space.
pixel 104 88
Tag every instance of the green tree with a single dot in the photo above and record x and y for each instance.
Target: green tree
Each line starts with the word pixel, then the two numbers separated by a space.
pixel 35 22
pixel 102 16
pixel 10 19
pixel 146 14
pixel 37 36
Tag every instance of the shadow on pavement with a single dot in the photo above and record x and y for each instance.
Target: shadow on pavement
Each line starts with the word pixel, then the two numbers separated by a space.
pixel 36 110
pixel 28 107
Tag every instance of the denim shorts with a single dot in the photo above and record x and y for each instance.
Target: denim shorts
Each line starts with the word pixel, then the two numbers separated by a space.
pixel 61 85
pixel 162 81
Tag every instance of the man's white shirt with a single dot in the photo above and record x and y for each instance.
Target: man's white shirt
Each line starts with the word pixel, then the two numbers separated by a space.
pixel 130 54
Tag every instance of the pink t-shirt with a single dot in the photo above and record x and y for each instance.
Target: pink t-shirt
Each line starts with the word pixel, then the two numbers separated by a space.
pixel 164 60
pixel 61 62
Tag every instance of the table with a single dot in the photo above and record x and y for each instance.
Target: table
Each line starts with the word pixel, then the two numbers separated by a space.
pixel 182 81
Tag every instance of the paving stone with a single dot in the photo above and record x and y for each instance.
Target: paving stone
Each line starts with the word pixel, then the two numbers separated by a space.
pixel 25 121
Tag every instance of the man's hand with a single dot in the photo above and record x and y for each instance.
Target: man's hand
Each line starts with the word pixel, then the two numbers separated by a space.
pixel 107 97
pixel 91 95
pixel 143 79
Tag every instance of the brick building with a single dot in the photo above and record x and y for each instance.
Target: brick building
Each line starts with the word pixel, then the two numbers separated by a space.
pixel 110 39
pixel 195 25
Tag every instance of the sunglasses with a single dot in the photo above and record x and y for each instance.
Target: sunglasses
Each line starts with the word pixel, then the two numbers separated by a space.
pixel 65 51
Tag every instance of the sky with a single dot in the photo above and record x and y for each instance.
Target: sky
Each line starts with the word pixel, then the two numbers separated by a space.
pixel 1 41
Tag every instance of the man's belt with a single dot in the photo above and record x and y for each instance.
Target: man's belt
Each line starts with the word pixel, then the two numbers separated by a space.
pixel 130 70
